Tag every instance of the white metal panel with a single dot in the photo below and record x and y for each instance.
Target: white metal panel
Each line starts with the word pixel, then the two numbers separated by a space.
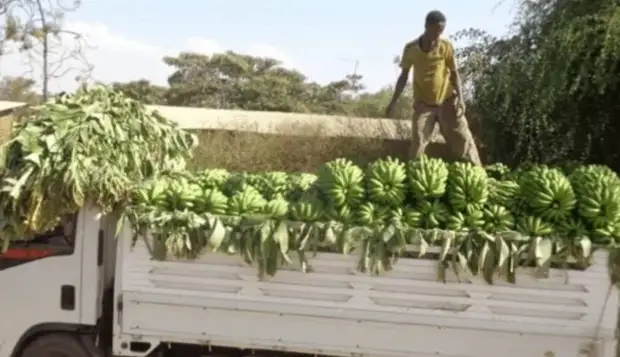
pixel 336 310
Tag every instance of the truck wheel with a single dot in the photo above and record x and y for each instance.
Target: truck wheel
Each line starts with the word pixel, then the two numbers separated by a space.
pixel 56 345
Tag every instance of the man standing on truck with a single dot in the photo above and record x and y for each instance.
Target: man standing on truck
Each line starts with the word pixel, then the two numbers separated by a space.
pixel 437 91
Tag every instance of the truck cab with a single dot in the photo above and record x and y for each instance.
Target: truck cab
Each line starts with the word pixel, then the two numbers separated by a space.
pixel 54 287
pixel 99 293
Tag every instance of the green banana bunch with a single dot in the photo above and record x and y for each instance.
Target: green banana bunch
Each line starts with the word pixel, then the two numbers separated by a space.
pixel 180 195
pixel 433 214
pixel 237 182
pixel 427 177
pixel 270 184
pixel 412 217
pixel 497 171
pixel 212 178
pixel 532 226
pixel 548 193
pixel 456 222
pixel 572 228
pixel 371 215
pixel 460 222
pixel 256 180
pixel 523 168
pixel 211 201
pixel 467 187
pixel 602 206
pixel 503 193
pixel 497 219
pixel 396 217
pixel 598 194
pixel 276 208
pixel 583 177
pixel 342 183
pixel 246 202
pixel 299 183
pixel 308 209
pixel 606 234
pixel 151 194
pixel 343 214
pixel 385 182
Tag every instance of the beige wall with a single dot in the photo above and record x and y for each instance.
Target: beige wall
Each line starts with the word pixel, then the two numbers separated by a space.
pixel 5 127
pixel 285 123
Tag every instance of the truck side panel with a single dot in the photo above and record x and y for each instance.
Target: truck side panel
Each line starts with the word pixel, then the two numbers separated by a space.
pixel 218 300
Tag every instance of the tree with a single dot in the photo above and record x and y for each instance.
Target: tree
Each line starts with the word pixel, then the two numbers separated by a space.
pixel 236 81
pixel 35 29
pixel 372 105
pixel 18 89
pixel 142 90
pixel 548 92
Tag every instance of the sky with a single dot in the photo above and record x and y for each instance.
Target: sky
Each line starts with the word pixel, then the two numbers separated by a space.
pixel 126 40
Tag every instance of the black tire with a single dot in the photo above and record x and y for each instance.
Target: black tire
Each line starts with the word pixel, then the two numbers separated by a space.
pixel 56 345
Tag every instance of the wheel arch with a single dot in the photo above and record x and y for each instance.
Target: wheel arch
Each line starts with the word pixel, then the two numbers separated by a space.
pixel 42 329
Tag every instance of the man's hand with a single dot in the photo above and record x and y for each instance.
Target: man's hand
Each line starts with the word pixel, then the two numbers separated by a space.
pixel 460 106
pixel 398 89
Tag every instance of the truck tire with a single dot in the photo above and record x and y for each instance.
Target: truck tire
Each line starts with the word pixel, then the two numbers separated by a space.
pixel 56 345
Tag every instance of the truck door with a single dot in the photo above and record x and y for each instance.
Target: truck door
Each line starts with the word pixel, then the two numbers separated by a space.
pixel 54 280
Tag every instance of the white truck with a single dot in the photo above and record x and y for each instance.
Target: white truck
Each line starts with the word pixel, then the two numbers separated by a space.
pixel 96 294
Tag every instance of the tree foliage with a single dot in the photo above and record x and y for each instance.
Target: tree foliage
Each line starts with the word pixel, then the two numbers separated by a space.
pixel 236 81
pixel 35 29
pixel 18 89
pixel 548 92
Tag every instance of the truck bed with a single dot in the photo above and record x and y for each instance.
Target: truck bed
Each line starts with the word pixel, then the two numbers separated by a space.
pixel 218 300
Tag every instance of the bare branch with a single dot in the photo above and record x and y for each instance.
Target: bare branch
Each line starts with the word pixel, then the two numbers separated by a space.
pixel 34 30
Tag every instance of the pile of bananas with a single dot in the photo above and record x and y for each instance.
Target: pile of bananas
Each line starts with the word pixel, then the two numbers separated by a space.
pixel 394 198
pixel 424 193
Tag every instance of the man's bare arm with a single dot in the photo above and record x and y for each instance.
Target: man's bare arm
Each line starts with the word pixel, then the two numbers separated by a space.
pixel 455 78
pixel 406 64
pixel 401 82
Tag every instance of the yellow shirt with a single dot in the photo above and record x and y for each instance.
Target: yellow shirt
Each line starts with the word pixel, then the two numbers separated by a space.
pixel 431 71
